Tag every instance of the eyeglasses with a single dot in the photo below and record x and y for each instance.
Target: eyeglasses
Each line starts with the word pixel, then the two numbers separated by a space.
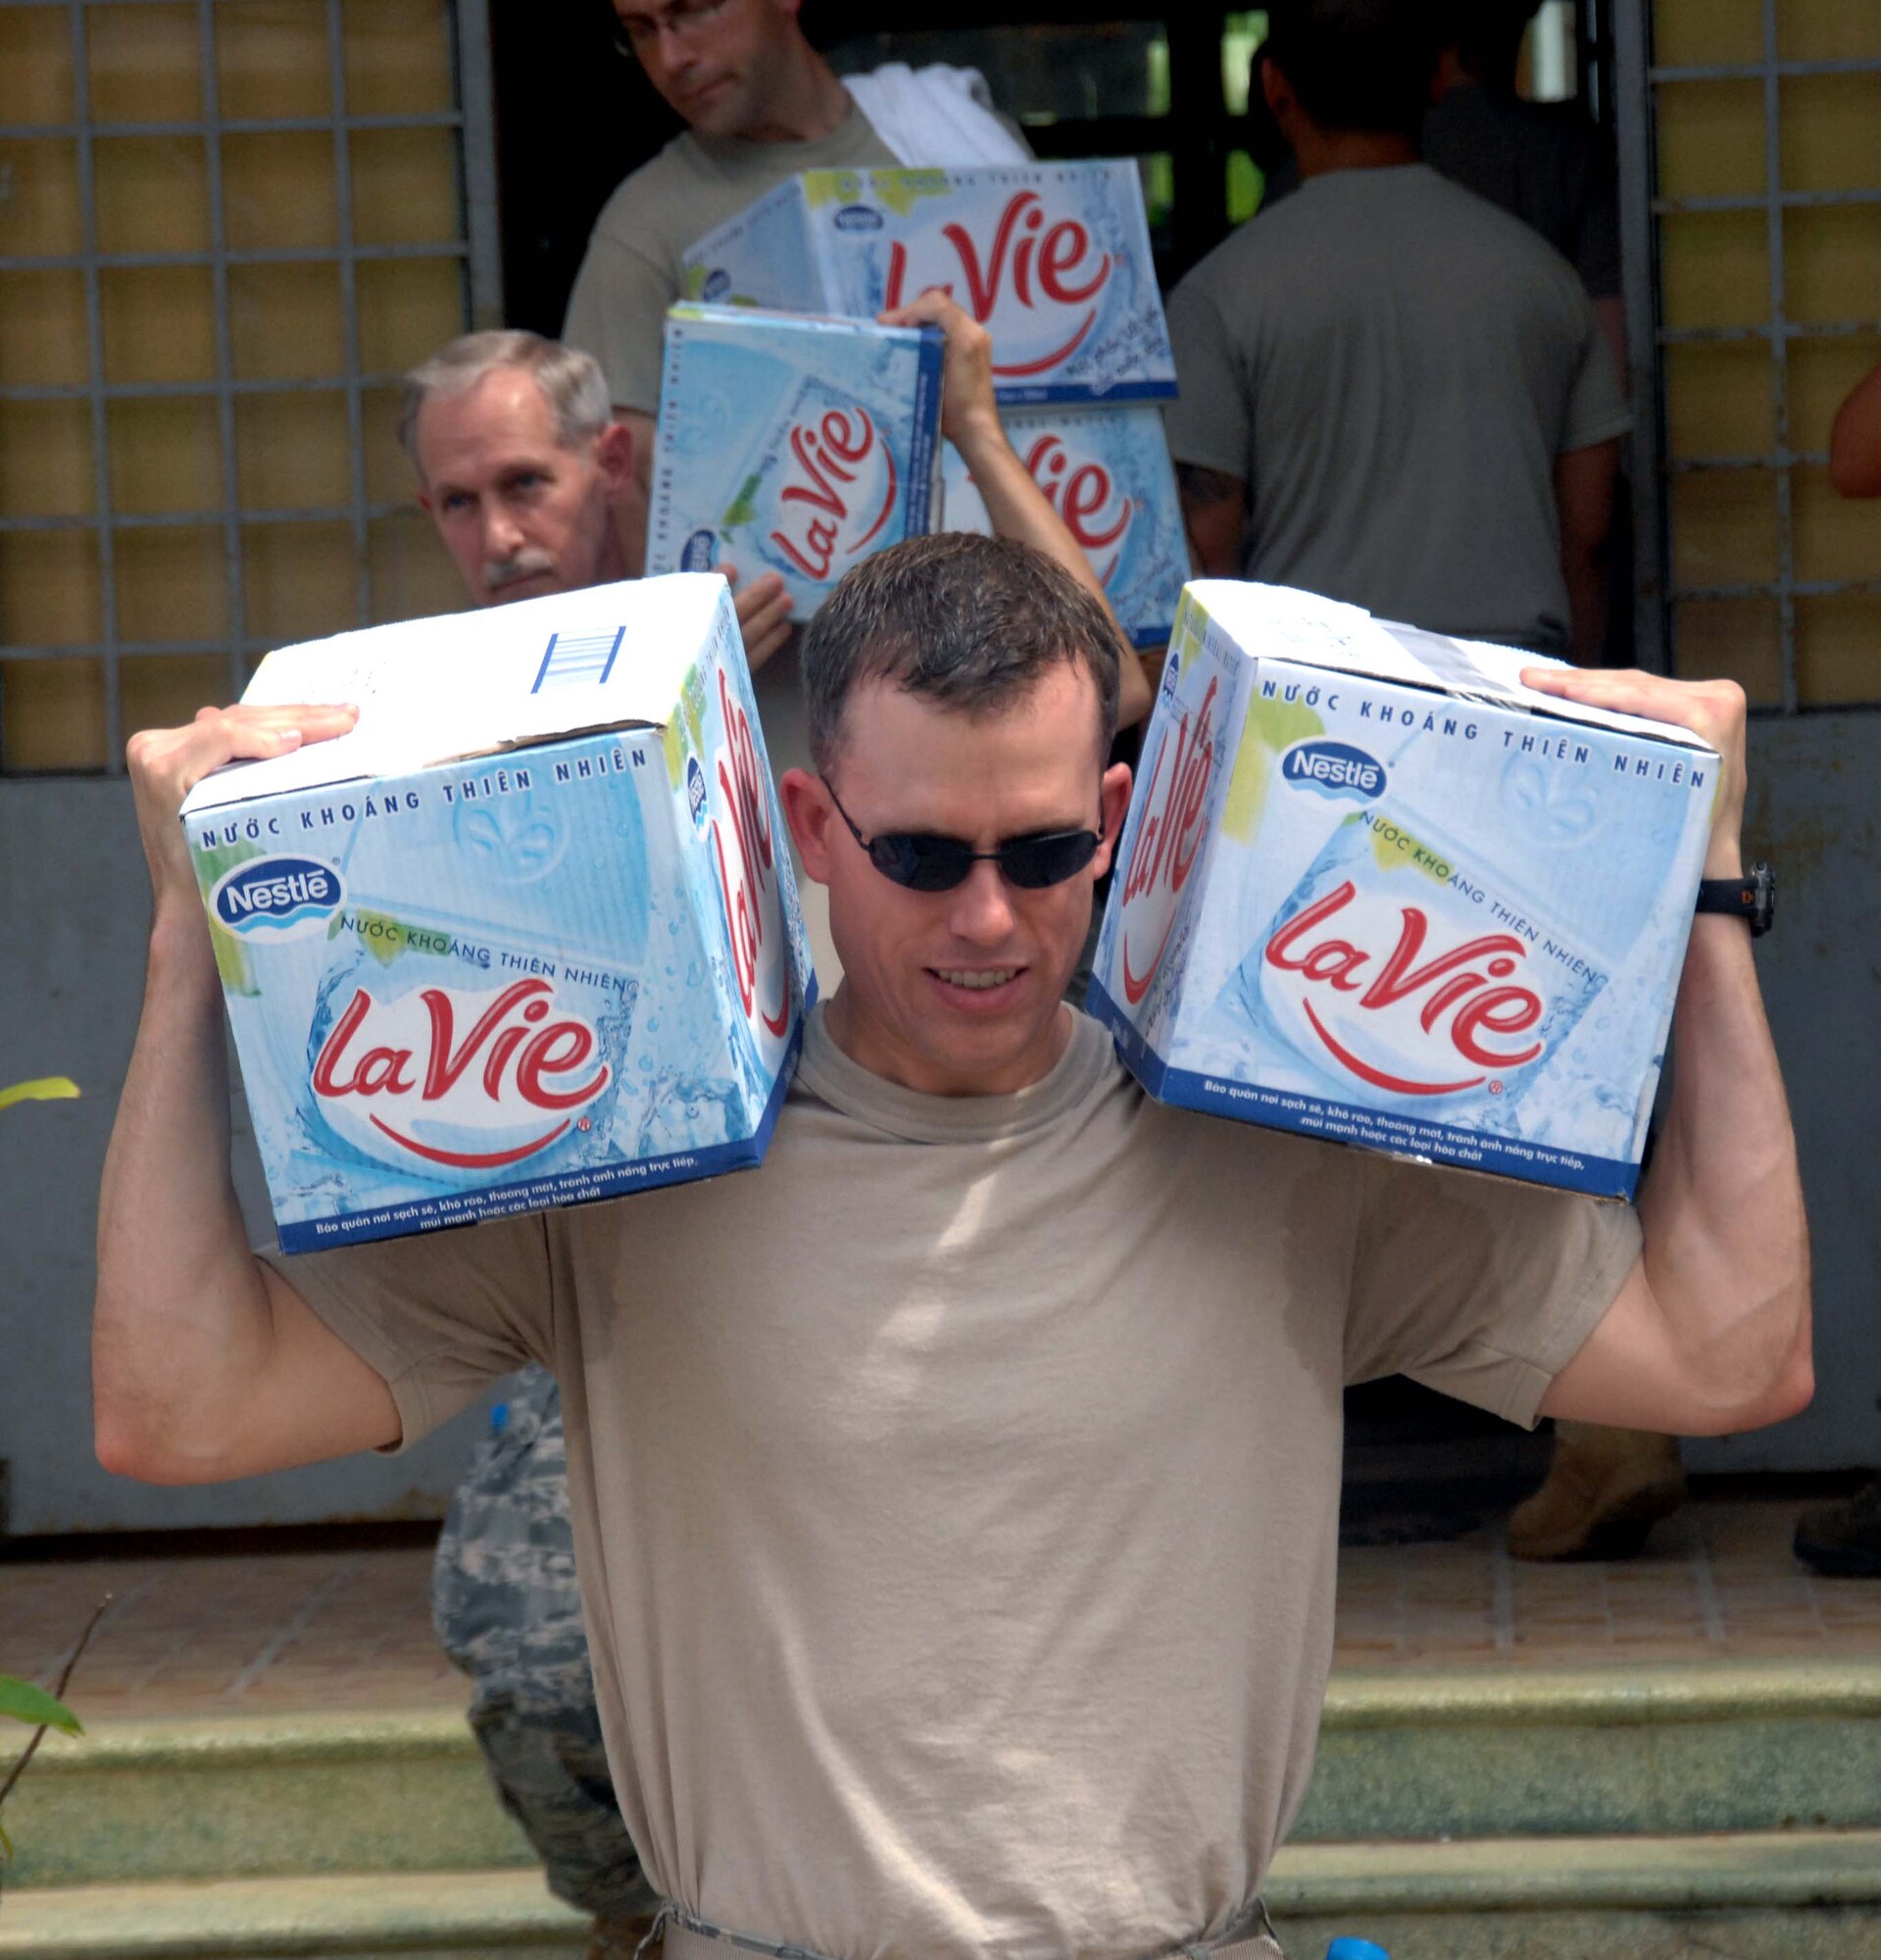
pixel 680 17
pixel 925 863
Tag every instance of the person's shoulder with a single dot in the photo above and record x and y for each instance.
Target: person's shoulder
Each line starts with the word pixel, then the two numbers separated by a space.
pixel 650 189
pixel 1454 206
pixel 1273 231
pixel 1463 218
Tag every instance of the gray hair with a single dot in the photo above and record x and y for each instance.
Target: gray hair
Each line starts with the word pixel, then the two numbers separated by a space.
pixel 571 383
pixel 970 623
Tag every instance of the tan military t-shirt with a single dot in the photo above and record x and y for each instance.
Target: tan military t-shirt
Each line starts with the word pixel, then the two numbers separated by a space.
pixel 630 274
pixel 956 1496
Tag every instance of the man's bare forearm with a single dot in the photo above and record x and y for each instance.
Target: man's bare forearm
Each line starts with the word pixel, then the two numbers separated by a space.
pixel 183 1319
pixel 1726 1243
pixel 206 1363
pixel 1584 572
pixel 1710 1331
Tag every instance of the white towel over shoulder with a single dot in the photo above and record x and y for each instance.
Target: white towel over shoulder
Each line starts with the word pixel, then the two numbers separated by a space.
pixel 935 118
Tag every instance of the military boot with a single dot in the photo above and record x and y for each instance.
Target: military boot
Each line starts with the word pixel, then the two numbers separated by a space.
pixel 1606 1490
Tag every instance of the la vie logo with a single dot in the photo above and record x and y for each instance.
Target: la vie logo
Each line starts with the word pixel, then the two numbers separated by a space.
pixel 1396 1007
pixel 1169 836
pixel 1085 493
pixel 839 489
pixel 745 858
pixel 1032 279
pixel 466 1081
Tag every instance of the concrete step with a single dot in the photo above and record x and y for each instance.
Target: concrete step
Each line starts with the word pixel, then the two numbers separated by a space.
pixel 442 1915
pixel 1728 1745
pixel 1467 1753
pixel 1773 1895
pixel 236 1797
pixel 1749 1897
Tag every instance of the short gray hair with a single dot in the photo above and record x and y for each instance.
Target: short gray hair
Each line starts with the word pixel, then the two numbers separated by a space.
pixel 571 383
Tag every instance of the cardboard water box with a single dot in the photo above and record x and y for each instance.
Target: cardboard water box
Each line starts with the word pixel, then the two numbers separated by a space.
pixel 528 934
pixel 792 444
pixel 1107 474
pixel 1374 890
pixel 1053 259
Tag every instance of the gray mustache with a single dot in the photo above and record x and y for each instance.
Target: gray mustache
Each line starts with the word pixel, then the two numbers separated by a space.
pixel 499 572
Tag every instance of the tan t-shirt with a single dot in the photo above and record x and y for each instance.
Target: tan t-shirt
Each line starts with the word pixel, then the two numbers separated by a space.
pixel 631 275
pixel 956 1496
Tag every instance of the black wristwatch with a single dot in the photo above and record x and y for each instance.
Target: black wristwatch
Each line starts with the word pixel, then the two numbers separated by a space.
pixel 1750 897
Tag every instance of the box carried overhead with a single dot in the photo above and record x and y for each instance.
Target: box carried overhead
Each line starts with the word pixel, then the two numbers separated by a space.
pixel 792 444
pixel 1375 889
pixel 528 935
pixel 1052 259
pixel 1106 472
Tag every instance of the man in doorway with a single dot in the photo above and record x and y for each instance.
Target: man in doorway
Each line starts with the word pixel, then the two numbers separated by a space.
pixel 1392 392
pixel 760 104
pixel 957 1494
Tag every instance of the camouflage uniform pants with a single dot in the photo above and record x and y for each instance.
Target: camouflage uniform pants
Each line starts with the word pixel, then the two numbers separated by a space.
pixel 508 1609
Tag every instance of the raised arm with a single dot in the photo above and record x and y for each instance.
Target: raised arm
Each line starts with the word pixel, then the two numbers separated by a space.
pixel 206 1363
pixel 1017 507
pixel 1711 1333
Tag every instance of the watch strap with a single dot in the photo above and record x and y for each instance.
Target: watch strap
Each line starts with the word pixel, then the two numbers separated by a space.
pixel 1750 897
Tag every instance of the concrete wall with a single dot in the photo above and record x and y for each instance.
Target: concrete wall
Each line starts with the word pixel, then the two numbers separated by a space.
pixel 1813 814
pixel 73 897
pixel 76 909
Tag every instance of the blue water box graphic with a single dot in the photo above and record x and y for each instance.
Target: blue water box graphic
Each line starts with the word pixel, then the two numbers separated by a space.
pixel 1375 889
pixel 528 935
pixel 792 445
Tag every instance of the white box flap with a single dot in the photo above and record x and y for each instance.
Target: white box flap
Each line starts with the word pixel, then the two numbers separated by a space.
pixel 471 683
pixel 1282 622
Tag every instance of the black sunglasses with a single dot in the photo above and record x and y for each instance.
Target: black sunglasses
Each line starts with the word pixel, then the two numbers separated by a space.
pixel 926 862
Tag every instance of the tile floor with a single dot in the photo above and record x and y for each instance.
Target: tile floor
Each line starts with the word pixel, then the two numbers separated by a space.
pixel 291 1631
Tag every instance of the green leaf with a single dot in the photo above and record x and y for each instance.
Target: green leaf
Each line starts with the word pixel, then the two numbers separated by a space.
pixel 35 1707
pixel 47 1089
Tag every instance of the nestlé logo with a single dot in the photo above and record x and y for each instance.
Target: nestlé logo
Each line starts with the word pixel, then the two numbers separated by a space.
pixel 1333 769
pixel 698 552
pixel 278 898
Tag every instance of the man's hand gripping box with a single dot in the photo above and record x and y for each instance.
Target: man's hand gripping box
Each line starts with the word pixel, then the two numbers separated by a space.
pixel 528 935
pixel 1052 259
pixel 792 444
pixel 1374 890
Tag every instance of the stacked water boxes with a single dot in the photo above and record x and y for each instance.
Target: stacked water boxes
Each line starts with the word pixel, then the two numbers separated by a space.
pixel 1054 260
